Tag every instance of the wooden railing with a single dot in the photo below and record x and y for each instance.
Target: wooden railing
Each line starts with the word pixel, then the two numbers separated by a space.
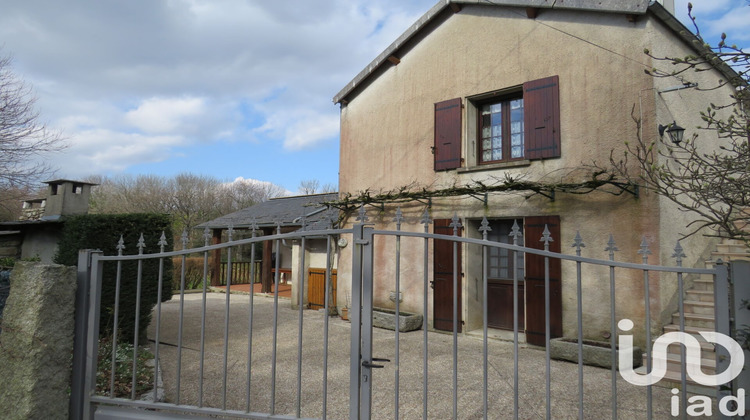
pixel 240 272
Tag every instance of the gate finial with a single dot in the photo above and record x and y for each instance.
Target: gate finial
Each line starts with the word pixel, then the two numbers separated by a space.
pixel 515 232
pixel 141 244
pixel 230 231
pixel 611 247
pixel 546 238
pixel 362 217
pixel 399 218
pixel 206 235
pixel 120 246
pixel 578 243
pixel 162 242
pixel 184 238
pixel 484 228
pixel 678 254
pixel 644 251
pixel 455 224
pixel 254 224
pixel 426 220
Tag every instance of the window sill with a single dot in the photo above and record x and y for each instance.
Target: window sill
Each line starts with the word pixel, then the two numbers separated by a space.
pixel 494 166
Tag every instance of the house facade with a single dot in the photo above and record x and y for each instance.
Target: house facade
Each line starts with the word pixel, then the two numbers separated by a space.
pixel 480 92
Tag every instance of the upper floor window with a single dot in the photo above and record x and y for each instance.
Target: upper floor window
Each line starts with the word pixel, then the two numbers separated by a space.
pixel 514 123
pixel 501 131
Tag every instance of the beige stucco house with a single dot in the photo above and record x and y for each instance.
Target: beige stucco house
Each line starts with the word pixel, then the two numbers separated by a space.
pixel 535 90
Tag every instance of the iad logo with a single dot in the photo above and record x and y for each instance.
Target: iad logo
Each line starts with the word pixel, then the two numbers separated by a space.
pixel 692 366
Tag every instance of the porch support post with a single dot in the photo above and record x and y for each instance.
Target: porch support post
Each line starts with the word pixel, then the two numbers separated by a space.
pixel 265 264
pixel 216 259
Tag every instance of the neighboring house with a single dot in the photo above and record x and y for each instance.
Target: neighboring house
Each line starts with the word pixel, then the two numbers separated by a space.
pixel 477 91
pixel 38 230
pixel 287 213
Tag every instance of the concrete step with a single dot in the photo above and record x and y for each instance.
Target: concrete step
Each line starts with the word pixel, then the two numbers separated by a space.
pixel 731 247
pixel 704 283
pixel 674 362
pixel 699 307
pixel 699 295
pixel 695 320
pixel 732 256
pixel 690 330
pixel 674 380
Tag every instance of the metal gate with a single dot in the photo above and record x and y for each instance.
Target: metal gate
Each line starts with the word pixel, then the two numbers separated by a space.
pixel 271 362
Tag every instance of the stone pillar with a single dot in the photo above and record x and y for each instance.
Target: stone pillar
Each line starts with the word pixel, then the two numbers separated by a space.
pixel 36 343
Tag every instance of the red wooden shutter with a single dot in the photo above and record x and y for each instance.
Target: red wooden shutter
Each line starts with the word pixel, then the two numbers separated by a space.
pixel 541 102
pixel 447 134
pixel 534 273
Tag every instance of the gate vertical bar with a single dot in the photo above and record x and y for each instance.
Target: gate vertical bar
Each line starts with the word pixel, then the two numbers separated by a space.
pixel 484 228
pixel 162 243
pixel 645 252
pixel 206 238
pixel 547 333
pixel 456 225
pixel 398 219
pixel 275 320
pixel 116 318
pixel 248 381
pixel 92 333
pixel 426 222
pixel 738 279
pixel 328 302
pixel 78 379
pixel 722 314
pixel 612 247
pixel 138 284
pixel 356 328
pixel 228 290
pixel 515 232
pixel 366 322
pixel 300 318
pixel 578 244
pixel 678 254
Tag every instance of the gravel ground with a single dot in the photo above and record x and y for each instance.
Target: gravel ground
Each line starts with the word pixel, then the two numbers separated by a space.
pixel 631 400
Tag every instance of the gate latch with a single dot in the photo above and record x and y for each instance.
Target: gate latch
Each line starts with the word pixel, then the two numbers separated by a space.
pixel 370 365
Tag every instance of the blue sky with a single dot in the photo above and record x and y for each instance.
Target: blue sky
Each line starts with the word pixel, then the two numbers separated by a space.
pixel 227 88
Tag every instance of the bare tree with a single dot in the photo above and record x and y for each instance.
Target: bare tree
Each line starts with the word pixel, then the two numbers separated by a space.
pixel 23 137
pixel 309 186
pixel 714 184
pixel 190 199
pixel 312 186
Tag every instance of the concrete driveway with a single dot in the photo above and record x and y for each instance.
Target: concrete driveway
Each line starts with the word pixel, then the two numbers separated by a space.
pixel 631 399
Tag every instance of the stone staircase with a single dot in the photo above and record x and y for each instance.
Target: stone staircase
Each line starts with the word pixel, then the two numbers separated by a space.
pixel 699 316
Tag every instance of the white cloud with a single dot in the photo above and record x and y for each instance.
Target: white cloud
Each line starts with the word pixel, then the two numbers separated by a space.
pixel 101 151
pixel 735 22
pixel 163 115
pixel 301 129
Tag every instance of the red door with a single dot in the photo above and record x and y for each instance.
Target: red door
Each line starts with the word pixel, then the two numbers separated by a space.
pixel 443 267
pixel 535 312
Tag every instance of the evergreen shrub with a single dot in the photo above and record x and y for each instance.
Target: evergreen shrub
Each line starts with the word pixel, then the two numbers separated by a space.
pixel 102 232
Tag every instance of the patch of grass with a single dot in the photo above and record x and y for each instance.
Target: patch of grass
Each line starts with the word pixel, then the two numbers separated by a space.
pixel 123 369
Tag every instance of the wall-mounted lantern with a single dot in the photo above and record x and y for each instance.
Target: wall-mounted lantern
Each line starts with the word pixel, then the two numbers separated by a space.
pixel 675 132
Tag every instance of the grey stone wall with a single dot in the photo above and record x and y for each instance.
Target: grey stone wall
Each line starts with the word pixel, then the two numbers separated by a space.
pixel 36 342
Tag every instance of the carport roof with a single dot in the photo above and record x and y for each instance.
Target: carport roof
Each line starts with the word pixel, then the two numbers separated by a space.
pixel 285 210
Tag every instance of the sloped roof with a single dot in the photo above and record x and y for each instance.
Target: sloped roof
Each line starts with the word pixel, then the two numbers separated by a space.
pixel 285 210
pixel 632 7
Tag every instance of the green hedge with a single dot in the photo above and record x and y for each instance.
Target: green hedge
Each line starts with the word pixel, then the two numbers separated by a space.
pixel 102 232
